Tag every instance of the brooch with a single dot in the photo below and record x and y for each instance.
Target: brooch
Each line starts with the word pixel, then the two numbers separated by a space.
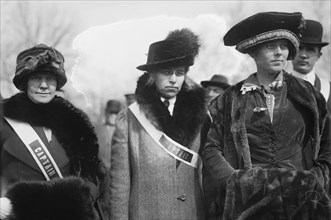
pixel 247 88
pixel 259 109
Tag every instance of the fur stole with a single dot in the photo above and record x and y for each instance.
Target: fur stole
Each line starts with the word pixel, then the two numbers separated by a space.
pixel 69 125
pixel 189 114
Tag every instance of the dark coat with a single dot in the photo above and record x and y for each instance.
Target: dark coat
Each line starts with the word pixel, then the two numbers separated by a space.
pixel 227 146
pixel 148 183
pixel 76 155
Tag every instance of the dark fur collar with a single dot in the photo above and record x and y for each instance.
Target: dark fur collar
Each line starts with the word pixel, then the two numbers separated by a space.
pixel 190 110
pixel 69 125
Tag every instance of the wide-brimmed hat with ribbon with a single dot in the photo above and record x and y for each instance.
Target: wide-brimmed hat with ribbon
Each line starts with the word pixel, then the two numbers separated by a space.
pixel 266 26
pixel 216 80
pixel 178 49
pixel 313 34
pixel 38 59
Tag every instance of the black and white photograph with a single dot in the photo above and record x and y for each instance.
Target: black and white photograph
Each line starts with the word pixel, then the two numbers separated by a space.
pixel 165 110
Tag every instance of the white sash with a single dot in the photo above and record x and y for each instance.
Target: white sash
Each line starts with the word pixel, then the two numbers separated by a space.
pixel 173 148
pixel 37 148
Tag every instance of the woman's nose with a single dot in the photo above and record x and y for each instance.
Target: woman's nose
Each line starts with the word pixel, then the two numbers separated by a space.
pixel 173 78
pixel 43 84
pixel 278 50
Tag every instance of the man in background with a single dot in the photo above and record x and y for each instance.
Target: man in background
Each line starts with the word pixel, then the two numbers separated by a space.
pixel 106 129
pixel 216 85
pixel 309 53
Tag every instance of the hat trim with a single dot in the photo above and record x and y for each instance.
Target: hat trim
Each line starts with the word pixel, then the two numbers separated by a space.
pixel 268 36
pixel 187 60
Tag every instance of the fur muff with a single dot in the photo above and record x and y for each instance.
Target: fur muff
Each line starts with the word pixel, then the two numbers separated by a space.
pixel 265 193
pixel 190 110
pixel 65 199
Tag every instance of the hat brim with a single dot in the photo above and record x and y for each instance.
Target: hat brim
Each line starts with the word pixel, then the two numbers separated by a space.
pixel 218 84
pixel 23 77
pixel 321 44
pixel 187 60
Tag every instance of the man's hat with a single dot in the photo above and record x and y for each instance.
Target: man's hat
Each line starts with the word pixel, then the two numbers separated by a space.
pixel 130 98
pixel 216 80
pixel 39 58
pixel 266 26
pixel 313 34
pixel 178 49
pixel 113 106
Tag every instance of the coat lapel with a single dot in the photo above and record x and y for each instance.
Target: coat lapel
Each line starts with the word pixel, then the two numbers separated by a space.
pixel 17 149
pixel 301 93
pixel 21 153
pixel 238 128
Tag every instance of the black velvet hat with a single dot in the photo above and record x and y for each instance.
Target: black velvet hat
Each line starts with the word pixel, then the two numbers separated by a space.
pixel 216 80
pixel 313 34
pixel 178 49
pixel 39 58
pixel 266 26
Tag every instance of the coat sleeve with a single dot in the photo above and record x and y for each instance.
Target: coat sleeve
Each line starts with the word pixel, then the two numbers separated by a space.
pixel 120 170
pixel 212 153
pixel 322 164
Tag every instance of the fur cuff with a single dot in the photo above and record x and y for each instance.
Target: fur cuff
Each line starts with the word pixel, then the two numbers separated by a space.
pixel 64 199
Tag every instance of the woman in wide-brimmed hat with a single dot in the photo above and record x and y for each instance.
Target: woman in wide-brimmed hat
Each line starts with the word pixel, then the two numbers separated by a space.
pixel 269 145
pixel 50 167
pixel 155 166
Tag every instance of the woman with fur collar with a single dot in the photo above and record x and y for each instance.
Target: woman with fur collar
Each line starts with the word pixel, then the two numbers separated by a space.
pixel 270 141
pixel 151 178
pixel 74 190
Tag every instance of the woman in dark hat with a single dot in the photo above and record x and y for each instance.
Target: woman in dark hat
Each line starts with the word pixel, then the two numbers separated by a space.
pixel 269 144
pixel 155 166
pixel 49 152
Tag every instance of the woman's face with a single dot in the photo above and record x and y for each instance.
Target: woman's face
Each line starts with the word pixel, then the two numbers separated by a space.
pixel 169 81
pixel 41 87
pixel 271 56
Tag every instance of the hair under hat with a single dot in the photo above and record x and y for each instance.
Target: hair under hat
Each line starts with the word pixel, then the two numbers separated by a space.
pixel 38 59
pixel 266 26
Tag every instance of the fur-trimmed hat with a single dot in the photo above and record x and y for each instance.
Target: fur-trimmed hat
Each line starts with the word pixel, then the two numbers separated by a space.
pixel 178 49
pixel 266 26
pixel 39 58
pixel 313 34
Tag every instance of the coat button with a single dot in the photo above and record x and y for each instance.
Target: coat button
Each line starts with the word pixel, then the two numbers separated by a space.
pixel 182 197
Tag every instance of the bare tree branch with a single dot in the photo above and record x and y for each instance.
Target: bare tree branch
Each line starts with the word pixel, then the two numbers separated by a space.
pixel 30 23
